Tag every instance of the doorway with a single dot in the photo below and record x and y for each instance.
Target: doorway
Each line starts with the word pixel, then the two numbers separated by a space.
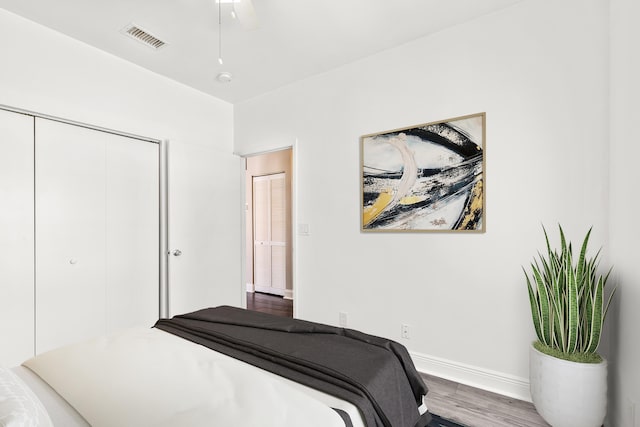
pixel 268 206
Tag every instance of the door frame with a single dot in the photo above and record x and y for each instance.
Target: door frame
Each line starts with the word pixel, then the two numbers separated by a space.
pixel 294 214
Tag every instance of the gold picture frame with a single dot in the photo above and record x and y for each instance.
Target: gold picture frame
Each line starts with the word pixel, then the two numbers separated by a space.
pixel 425 178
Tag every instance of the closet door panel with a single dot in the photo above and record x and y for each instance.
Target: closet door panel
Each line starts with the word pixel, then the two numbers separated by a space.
pixel 269 217
pixel 16 238
pixel 261 234
pixel 132 227
pixel 70 234
pixel 278 233
pixel 97 233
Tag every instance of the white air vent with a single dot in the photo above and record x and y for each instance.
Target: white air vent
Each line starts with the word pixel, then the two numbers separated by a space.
pixel 143 36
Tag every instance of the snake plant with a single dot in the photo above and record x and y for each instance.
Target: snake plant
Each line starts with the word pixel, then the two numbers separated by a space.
pixel 567 298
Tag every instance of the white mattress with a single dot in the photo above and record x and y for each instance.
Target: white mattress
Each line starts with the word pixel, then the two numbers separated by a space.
pixel 147 377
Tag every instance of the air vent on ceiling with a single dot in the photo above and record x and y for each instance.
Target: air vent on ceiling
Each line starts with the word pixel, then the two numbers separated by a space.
pixel 143 36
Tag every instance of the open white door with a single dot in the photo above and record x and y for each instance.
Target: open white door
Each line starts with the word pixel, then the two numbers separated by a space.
pixel 204 228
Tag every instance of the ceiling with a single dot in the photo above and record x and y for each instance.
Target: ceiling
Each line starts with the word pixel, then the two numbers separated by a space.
pixel 295 39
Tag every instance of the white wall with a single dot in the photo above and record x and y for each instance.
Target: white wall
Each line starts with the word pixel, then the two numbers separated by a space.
pixel 624 208
pixel 47 72
pixel 539 71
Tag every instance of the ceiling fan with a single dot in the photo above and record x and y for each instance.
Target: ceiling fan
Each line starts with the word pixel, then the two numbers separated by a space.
pixel 244 12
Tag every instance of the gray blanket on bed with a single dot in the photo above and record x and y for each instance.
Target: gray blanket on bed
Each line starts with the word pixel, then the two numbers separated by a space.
pixel 375 374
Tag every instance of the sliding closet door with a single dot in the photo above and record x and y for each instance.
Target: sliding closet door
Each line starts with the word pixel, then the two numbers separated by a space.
pixel 132 230
pixel 70 238
pixel 16 238
pixel 96 233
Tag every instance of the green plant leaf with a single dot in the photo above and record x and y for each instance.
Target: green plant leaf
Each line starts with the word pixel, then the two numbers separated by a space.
pixel 535 308
pixel 587 319
pixel 572 310
pixel 563 242
pixel 596 318
pixel 566 296
pixel 543 300
pixel 604 283
pixel 581 259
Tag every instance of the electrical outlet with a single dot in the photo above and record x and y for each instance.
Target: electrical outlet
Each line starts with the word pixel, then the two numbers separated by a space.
pixel 342 319
pixel 405 331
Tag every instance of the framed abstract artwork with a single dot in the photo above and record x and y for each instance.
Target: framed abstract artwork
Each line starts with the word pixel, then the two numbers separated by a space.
pixel 429 177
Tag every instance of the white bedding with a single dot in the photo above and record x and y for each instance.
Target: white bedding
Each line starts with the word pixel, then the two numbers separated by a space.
pixel 147 377
pixel 19 406
pixel 60 412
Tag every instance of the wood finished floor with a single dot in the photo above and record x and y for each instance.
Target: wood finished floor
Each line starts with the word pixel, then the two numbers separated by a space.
pixel 469 406
pixel 272 304
pixel 478 408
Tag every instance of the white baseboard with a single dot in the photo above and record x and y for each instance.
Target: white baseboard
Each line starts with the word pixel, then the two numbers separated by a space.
pixel 485 379
pixel 288 294
pixel 250 288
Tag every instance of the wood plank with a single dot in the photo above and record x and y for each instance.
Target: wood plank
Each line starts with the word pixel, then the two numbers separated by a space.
pixel 478 408
pixel 272 304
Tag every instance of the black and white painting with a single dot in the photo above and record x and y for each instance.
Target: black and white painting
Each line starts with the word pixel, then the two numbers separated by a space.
pixel 428 177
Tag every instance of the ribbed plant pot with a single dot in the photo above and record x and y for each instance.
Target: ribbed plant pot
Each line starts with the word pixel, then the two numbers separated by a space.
pixel 568 394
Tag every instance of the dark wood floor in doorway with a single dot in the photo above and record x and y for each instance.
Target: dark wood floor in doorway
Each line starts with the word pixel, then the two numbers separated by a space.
pixel 271 304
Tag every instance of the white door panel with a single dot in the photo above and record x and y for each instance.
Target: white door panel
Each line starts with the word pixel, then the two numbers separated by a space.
pixel 70 234
pixel 269 231
pixel 262 266
pixel 278 204
pixel 96 233
pixel 132 227
pixel 278 233
pixel 204 224
pixel 16 238
pixel 278 267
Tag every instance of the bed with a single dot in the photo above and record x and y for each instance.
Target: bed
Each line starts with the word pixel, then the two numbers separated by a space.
pixel 220 366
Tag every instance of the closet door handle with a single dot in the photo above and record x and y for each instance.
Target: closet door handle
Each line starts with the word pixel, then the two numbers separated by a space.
pixel 176 252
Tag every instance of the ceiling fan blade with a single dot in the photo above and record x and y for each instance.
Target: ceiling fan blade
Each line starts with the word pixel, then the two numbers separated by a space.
pixel 246 14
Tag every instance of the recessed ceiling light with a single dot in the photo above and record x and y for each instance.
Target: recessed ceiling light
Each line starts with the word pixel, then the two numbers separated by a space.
pixel 224 77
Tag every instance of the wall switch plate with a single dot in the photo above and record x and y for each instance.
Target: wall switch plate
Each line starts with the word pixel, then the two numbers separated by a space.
pixel 303 229
pixel 342 319
pixel 405 331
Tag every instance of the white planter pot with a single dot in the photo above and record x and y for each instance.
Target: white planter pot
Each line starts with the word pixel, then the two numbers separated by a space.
pixel 568 394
